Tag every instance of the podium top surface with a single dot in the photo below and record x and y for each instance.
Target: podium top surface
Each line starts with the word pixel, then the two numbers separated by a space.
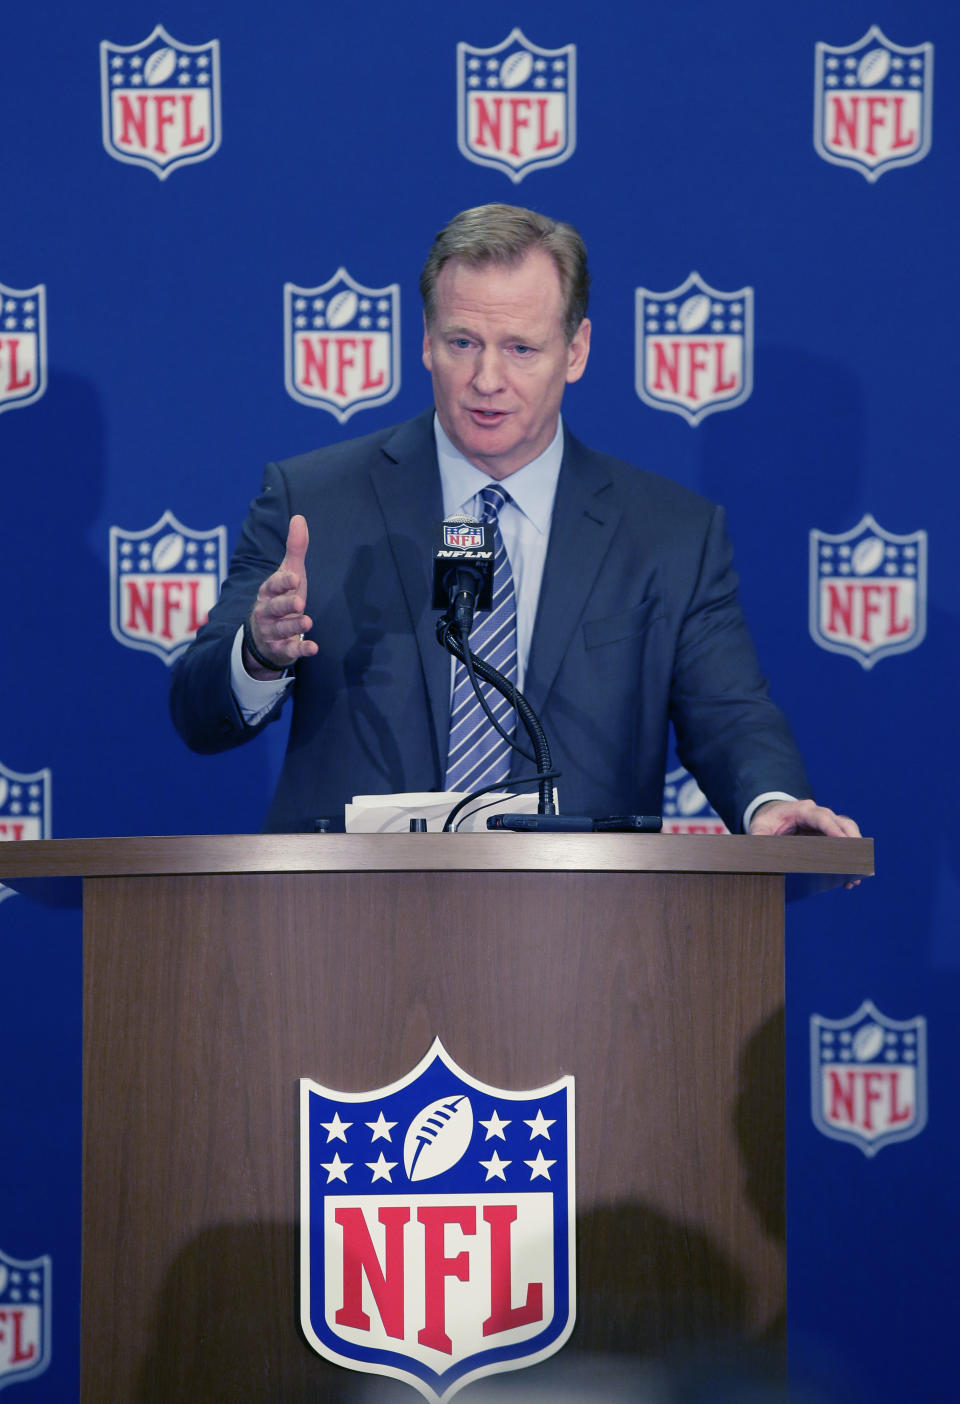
pixel 825 861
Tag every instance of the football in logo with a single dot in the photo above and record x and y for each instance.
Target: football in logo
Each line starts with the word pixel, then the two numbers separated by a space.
pixel 516 105
pixel 873 103
pixel 160 101
pixel 23 345
pixel 437 1225
pixel 342 344
pixel 868 591
pixel 694 348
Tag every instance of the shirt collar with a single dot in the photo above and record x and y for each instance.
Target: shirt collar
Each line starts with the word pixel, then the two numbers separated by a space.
pixel 532 487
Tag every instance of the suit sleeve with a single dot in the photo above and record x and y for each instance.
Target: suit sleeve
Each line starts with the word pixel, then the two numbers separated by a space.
pixel 730 735
pixel 202 704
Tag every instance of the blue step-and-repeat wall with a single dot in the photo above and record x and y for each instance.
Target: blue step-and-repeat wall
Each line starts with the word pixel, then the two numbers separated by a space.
pixel 212 220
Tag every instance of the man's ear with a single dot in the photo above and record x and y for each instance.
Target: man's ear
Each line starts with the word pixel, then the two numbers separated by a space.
pixel 578 351
pixel 427 345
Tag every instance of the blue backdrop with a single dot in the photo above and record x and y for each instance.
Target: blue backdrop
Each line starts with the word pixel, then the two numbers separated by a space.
pixel 162 188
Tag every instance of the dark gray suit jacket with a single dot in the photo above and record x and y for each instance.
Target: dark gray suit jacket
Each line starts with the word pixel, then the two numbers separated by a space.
pixel 638 624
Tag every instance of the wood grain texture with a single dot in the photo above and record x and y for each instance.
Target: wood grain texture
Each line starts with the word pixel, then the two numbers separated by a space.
pixel 207 998
pixel 499 852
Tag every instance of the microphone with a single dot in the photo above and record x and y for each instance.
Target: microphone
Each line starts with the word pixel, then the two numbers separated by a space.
pixel 463 569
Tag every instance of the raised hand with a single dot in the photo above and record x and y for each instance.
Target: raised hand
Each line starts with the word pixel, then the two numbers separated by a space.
pixel 278 622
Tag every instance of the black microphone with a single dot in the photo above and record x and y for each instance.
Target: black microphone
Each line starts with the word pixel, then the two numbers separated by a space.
pixel 463 569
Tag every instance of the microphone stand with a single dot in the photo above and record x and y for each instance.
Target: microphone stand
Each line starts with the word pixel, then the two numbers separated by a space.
pixel 448 637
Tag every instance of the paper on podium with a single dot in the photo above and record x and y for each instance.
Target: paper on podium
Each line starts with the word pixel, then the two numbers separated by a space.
pixel 391 814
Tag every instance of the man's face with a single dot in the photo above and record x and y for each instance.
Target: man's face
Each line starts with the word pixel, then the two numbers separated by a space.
pixel 499 359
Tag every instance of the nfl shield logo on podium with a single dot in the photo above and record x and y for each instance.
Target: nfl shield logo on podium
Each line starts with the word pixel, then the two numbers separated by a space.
pixel 437 1225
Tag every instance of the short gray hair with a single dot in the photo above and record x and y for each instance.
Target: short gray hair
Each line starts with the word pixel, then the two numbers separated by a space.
pixel 505 234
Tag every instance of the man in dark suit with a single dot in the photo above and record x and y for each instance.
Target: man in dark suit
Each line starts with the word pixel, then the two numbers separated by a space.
pixel 626 614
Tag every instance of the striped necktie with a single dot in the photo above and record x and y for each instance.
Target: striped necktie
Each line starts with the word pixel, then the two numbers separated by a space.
pixel 477 755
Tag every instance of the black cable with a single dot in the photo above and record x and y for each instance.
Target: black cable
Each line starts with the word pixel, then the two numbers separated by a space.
pixel 488 789
pixel 468 657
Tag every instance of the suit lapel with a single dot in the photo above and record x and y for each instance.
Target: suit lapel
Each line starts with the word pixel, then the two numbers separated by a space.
pixel 585 517
pixel 406 482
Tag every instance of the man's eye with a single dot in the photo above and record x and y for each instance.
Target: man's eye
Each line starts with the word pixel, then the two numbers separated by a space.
pixel 461 342
pixel 523 350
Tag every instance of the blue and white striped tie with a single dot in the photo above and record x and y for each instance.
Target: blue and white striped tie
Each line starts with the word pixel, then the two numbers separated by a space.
pixel 477 755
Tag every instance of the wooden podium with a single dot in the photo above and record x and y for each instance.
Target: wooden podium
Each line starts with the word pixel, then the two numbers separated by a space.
pixel 220 970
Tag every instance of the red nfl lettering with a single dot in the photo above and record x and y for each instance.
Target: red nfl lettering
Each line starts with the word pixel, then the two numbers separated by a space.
pixel 316 365
pixel 868 610
pixel 147 615
pixel 143 119
pixel 387 1283
pixel 868 1098
pixel 693 369
pixel 14 1348
pixel 497 124
pixel 857 121
pixel 10 373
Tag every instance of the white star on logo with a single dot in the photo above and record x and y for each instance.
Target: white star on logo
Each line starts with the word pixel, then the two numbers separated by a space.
pixel 381 1168
pixel 381 1129
pixel 336 1129
pixel 336 1168
pixel 539 1126
pixel 539 1166
pixel 495 1167
pixel 494 1128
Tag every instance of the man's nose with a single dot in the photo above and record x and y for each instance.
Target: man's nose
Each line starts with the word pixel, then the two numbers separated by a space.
pixel 488 372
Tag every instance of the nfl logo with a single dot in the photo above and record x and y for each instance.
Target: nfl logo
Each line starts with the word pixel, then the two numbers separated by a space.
pixel 469 536
pixel 516 105
pixel 163 583
pixel 25 1312
pixel 342 344
pixel 869 1077
pixel 160 101
pixel 868 591
pixel 686 809
pixel 873 103
pixel 24 814
pixel 23 345
pixel 694 348
pixel 437 1233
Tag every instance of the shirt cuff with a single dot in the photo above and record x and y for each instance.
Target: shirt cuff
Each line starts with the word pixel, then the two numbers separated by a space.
pixel 254 696
pixel 755 804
